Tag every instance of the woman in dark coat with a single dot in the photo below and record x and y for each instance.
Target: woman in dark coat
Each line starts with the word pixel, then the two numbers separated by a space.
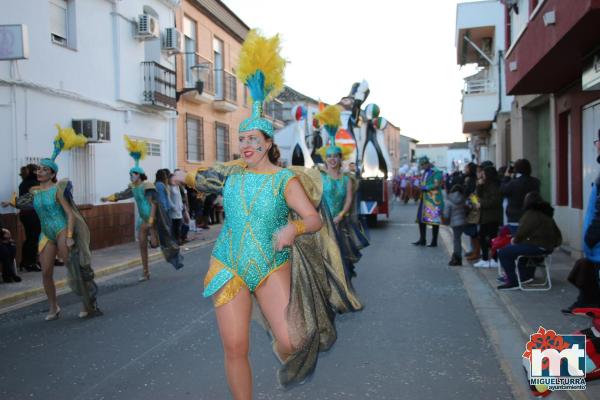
pixel 537 235
pixel 490 207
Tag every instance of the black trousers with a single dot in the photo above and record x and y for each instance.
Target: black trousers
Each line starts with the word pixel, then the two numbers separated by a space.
pixel 176 229
pixel 423 233
pixel 486 233
pixel 31 223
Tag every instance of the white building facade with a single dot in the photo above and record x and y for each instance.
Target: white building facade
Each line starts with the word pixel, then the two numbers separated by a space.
pixel 100 61
pixel 480 41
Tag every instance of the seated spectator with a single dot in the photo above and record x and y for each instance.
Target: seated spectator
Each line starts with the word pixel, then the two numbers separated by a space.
pixel 7 257
pixel 537 235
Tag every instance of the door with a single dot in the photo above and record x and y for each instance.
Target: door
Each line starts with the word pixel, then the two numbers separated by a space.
pixel 543 156
pixel 591 125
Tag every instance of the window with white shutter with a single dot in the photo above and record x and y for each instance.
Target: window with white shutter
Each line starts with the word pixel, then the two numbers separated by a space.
pixel 59 28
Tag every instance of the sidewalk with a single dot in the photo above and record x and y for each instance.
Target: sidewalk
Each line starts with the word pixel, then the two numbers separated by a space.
pixel 533 309
pixel 105 262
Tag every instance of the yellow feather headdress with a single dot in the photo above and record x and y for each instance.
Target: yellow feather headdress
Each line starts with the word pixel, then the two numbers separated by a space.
pixel 261 55
pixel 138 149
pixel 66 139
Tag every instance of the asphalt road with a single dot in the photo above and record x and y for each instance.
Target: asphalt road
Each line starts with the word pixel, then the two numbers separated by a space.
pixel 418 337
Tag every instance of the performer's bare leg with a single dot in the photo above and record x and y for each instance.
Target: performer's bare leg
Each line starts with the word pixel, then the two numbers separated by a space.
pixel 234 326
pixel 143 239
pixel 273 297
pixel 47 257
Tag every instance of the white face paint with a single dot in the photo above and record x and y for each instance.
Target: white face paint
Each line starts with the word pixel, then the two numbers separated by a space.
pixel 253 147
pixel 44 174
pixel 133 177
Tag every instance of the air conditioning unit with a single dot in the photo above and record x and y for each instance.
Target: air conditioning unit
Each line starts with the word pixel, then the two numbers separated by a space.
pixel 95 130
pixel 147 27
pixel 173 41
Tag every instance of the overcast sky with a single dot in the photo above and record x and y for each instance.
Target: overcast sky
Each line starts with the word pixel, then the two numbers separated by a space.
pixel 404 49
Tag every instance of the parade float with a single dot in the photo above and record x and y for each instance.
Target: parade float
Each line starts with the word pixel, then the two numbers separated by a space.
pixel 371 156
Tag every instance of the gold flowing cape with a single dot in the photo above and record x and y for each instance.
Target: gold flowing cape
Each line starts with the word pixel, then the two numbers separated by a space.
pixel 319 285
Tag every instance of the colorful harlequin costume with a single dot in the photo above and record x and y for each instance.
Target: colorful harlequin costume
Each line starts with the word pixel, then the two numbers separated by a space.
pixel 431 205
pixel 255 209
pixel 351 236
pixel 145 194
pixel 53 219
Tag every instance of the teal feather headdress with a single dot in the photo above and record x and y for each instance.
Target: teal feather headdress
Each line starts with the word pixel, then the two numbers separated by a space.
pixel 261 68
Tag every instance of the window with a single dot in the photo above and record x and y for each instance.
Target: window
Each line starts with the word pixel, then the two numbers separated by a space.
pixel 83 174
pixel 219 67
pixel 189 32
pixel 153 149
pixel 245 96
pixel 194 128
pixel 59 27
pixel 222 134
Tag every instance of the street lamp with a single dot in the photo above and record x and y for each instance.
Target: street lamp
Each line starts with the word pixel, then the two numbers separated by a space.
pixel 200 75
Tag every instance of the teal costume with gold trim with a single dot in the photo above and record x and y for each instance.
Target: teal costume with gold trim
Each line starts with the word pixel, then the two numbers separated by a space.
pixel 143 205
pixel 256 209
pixel 334 192
pixel 51 214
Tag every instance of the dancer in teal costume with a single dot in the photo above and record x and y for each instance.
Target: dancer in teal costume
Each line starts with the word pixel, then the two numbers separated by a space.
pixel 155 221
pixel 338 192
pixel 265 249
pixel 64 231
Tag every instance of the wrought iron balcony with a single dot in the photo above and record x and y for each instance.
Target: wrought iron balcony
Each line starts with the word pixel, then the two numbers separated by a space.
pixel 225 91
pixel 160 88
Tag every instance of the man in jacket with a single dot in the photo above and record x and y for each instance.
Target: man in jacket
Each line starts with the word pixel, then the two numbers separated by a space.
pixel 514 188
pixel 586 272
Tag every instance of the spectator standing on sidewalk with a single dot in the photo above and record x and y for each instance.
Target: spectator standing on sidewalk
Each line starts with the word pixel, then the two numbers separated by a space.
pixel 515 187
pixel 29 220
pixel 585 274
pixel 471 228
pixel 537 235
pixel 456 213
pixel 7 256
pixel 176 212
pixel 490 207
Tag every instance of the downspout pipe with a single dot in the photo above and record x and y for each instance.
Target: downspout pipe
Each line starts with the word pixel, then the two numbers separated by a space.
pixel 499 62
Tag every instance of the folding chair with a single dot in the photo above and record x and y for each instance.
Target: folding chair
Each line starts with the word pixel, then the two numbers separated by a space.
pixel 542 261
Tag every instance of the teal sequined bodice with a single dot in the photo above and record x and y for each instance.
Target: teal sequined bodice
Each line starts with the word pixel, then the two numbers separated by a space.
pixel 143 205
pixel 255 209
pixel 51 214
pixel 334 192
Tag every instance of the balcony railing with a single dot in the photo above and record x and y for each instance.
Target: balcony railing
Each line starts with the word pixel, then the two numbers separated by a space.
pixel 225 86
pixel 479 86
pixel 159 85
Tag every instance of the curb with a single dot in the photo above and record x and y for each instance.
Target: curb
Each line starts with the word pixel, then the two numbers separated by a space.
pixel 12 299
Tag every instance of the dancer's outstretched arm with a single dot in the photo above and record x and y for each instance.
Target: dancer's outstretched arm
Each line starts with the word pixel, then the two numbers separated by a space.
pixel 123 195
